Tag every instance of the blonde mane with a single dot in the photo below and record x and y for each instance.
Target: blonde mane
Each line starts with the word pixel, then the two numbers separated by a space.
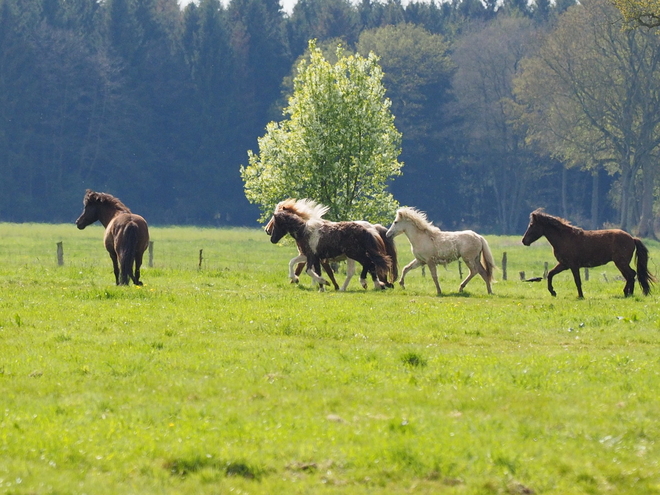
pixel 417 218
pixel 306 209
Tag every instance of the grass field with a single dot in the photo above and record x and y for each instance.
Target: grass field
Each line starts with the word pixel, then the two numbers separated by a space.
pixel 228 379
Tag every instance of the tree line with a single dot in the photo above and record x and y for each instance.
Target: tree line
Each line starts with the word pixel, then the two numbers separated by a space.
pixel 159 105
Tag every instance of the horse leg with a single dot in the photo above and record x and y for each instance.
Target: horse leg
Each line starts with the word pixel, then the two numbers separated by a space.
pixel 434 276
pixel 410 266
pixel 476 267
pixel 350 271
pixel 578 281
pixel 300 261
pixel 629 274
pixel 473 271
pixel 363 277
pixel 371 268
pixel 312 262
pixel 138 264
pixel 115 265
pixel 557 269
pixel 330 272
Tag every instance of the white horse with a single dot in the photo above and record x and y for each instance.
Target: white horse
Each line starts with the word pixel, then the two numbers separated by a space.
pixel 431 246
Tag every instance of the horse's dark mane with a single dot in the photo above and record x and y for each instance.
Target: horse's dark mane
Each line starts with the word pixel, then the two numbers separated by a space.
pixel 99 197
pixel 551 221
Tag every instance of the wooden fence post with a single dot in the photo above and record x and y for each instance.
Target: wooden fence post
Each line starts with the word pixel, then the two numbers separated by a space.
pixel 60 254
pixel 460 270
pixel 545 270
pixel 200 259
pixel 504 261
pixel 151 254
pixel 586 274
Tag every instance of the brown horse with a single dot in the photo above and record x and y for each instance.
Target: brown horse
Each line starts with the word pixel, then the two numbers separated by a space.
pixel 319 240
pixel 575 248
pixel 126 234
pixel 309 210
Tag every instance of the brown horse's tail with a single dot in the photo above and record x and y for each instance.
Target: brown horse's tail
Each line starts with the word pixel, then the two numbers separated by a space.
pixel 378 254
pixel 644 277
pixel 127 253
pixel 390 249
pixel 487 259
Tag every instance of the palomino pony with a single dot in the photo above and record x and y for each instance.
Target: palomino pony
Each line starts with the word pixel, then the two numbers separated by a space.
pixel 575 248
pixel 431 246
pixel 126 234
pixel 308 209
pixel 322 239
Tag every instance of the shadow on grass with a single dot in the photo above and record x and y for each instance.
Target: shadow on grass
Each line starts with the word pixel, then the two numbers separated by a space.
pixel 186 466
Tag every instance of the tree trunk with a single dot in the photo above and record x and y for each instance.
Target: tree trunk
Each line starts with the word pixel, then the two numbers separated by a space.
pixel 595 186
pixel 646 221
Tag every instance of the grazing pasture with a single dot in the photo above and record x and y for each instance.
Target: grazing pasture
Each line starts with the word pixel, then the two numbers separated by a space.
pixel 229 379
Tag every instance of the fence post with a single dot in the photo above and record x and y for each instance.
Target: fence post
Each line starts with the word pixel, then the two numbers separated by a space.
pixel 522 276
pixel 586 274
pixel 200 259
pixel 60 254
pixel 545 270
pixel 504 261
pixel 460 270
pixel 151 254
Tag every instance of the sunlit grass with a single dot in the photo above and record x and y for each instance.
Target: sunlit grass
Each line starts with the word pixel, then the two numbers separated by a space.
pixel 226 378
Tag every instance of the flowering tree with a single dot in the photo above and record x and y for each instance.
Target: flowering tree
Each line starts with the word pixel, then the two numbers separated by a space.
pixel 338 146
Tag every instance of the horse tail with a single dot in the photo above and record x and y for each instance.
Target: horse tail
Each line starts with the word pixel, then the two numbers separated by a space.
pixel 377 253
pixel 390 249
pixel 127 252
pixel 487 259
pixel 644 277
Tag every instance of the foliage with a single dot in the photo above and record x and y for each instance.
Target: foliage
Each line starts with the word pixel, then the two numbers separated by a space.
pixel 339 145
pixel 592 100
pixel 645 13
pixel 227 378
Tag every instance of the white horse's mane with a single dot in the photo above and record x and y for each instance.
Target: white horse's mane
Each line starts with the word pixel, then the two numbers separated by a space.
pixel 417 218
pixel 307 209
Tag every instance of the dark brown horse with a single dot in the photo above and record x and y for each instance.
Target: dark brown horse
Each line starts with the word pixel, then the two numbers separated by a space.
pixel 310 210
pixel 575 248
pixel 126 234
pixel 319 240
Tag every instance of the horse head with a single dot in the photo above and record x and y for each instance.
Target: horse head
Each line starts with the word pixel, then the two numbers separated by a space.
pixel 90 213
pixel 534 230
pixel 284 223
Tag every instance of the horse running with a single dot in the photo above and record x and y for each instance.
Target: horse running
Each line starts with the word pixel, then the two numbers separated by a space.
pixel 432 246
pixel 126 234
pixel 322 239
pixel 308 209
pixel 575 248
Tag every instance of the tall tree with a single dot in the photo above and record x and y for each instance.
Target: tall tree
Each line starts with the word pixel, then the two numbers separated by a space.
pixel 338 145
pixel 593 99
pixel 418 73
pixel 500 162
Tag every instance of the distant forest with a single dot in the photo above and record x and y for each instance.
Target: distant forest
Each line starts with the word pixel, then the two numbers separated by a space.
pixel 159 104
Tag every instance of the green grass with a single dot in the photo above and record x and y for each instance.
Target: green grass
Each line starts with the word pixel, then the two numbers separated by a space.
pixel 228 379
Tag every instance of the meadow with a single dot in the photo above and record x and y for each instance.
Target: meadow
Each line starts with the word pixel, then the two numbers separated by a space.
pixel 225 378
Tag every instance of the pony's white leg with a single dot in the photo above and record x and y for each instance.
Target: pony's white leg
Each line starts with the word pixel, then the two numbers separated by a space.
pixel 434 276
pixel 474 269
pixel 350 271
pixel 317 278
pixel 410 266
pixel 301 258
pixel 484 274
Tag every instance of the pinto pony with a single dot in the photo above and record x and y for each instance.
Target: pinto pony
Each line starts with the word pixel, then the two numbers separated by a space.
pixel 321 239
pixel 575 248
pixel 309 210
pixel 432 246
pixel 126 234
